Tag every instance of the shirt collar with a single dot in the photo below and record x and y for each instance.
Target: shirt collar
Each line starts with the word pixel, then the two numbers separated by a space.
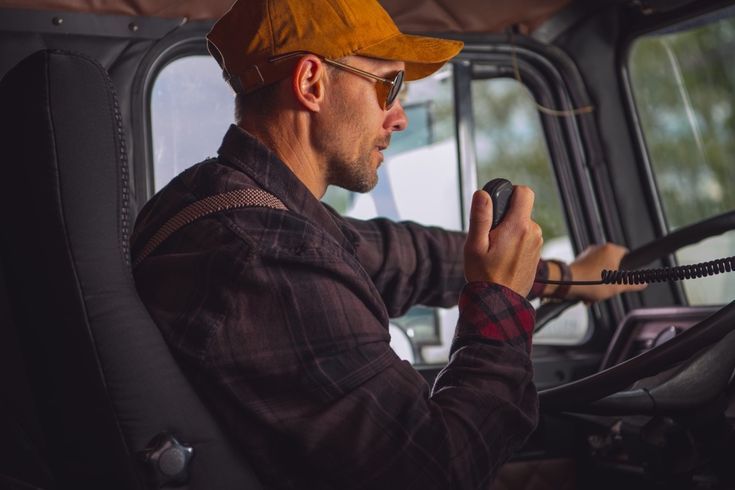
pixel 247 154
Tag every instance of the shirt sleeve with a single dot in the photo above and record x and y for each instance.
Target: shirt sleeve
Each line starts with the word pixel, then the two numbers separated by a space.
pixel 413 264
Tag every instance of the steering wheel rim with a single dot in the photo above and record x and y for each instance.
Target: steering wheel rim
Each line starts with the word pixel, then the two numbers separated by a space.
pixel 602 391
pixel 647 253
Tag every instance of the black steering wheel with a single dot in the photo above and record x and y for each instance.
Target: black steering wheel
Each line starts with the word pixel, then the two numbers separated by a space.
pixel 704 354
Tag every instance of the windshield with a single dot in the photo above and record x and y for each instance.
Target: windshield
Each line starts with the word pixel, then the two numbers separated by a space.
pixel 683 82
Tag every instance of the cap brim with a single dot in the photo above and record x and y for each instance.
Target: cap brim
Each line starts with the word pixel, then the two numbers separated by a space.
pixel 422 55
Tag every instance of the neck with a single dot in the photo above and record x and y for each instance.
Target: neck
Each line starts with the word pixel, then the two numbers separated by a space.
pixel 288 136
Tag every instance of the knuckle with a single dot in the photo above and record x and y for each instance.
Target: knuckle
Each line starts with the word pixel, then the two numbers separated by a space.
pixel 526 191
pixel 524 228
pixel 530 229
pixel 538 235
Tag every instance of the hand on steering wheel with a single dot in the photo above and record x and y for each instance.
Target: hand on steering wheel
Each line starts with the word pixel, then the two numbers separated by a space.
pixel 642 256
pixel 706 350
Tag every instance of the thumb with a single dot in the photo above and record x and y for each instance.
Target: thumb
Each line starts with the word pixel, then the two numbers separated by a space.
pixel 481 219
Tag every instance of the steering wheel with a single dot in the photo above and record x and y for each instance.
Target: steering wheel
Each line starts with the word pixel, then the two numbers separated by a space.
pixel 707 347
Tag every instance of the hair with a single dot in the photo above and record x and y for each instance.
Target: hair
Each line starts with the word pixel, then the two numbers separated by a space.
pixel 258 103
pixel 264 100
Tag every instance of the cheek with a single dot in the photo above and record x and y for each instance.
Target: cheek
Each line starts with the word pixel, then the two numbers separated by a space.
pixel 360 115
pixel 370 110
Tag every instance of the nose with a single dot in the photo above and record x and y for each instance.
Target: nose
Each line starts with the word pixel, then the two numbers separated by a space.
pixel 395 117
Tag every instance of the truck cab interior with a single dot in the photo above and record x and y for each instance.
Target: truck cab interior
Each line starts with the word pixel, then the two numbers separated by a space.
pixel 619 113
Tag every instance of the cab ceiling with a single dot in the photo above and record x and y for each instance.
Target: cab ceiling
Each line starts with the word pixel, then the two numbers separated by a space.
pixel 463 16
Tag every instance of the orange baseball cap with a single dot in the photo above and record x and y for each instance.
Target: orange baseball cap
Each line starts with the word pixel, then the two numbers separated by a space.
pixel 253 31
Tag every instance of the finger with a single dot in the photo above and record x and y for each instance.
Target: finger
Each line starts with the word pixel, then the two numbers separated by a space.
pixel 521 202
pixel 481 219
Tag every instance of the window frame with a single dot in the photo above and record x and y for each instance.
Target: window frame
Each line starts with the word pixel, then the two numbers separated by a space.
pixel 573 143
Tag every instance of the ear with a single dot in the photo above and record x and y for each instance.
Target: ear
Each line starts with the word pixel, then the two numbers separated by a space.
pixel 308 82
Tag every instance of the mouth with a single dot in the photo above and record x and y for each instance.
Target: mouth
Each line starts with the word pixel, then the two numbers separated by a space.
pixel 381 146
pixel 384 144
pixel 380 149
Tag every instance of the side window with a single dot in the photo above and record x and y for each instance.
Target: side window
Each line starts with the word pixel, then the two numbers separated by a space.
pixel 510 143
pixel 683 83
pixel 191 108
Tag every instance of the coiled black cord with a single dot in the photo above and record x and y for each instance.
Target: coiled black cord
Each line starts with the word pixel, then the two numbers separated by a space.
pixel 646 276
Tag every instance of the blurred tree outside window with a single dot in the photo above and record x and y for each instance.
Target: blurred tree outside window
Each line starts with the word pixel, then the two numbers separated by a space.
pixel 683 83
pixel 510 143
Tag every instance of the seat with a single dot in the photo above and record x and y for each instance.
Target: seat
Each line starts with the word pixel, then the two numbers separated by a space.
pixel 111 400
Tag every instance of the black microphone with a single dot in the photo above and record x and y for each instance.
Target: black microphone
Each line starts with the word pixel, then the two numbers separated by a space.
pixel 500 191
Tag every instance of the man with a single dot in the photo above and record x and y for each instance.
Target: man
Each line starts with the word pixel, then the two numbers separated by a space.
pixel 279 310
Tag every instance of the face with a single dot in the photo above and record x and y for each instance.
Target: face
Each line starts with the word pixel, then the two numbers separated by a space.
pixel 355 129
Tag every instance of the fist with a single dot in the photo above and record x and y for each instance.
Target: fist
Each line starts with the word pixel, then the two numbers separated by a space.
pixel 509 253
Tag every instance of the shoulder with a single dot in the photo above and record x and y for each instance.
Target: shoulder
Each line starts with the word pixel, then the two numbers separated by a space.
pixel 264 227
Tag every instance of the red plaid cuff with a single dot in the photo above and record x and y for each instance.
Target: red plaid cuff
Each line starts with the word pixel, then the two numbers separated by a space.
pixel 494 312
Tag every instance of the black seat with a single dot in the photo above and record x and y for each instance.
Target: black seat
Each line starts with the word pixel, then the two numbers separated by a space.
pixel 102 379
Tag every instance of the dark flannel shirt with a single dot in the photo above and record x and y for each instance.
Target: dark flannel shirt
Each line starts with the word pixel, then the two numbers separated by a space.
pixel 280 319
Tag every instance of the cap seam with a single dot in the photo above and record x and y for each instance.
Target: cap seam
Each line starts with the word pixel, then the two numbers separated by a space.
pixel 378 42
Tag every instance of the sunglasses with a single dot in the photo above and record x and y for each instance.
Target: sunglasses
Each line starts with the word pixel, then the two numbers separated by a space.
pixel 386 88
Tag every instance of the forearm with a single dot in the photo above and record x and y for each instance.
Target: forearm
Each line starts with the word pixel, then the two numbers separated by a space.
pixel 429 271
pixel 411 264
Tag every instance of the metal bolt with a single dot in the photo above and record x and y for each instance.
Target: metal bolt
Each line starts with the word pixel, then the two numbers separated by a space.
pixel 133 27
pixel 57 21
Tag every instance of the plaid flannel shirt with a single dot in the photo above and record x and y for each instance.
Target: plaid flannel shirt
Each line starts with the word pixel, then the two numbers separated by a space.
pixel 280 319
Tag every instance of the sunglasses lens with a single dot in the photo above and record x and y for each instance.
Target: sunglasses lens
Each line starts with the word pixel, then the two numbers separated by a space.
pixel 394 90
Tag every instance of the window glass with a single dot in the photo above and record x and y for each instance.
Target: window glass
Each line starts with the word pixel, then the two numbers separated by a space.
pixel 510 143
pixel 191 108
pixel 683 83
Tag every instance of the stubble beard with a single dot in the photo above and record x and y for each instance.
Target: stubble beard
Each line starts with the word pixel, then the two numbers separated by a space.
pixel 344 169
pixel 356 176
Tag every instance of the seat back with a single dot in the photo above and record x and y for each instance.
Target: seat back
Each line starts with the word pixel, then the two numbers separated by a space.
pixel 103 380
pixel 22 460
